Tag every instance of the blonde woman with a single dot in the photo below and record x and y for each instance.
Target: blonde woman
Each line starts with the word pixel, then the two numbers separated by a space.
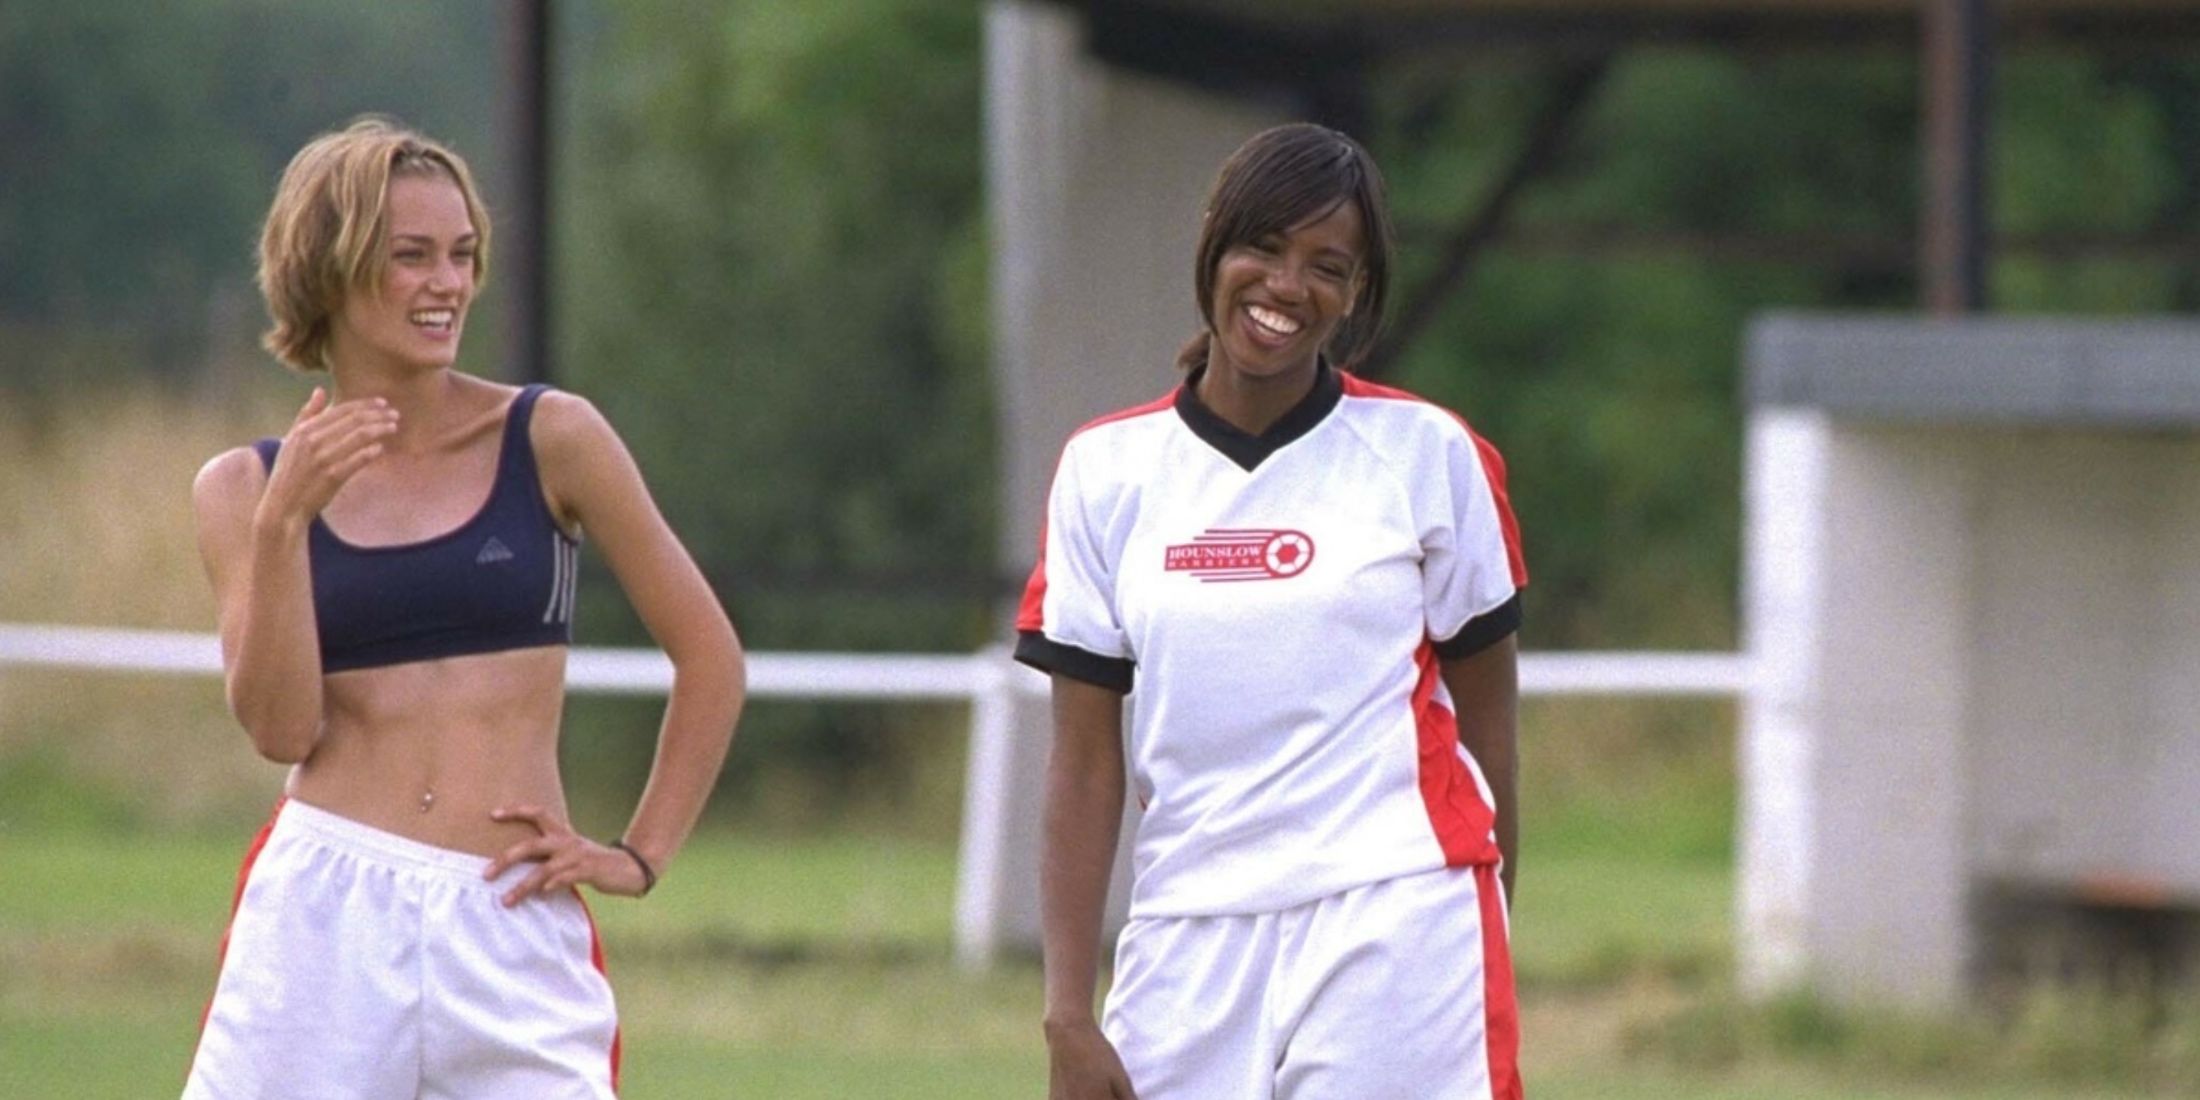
pixel 395 584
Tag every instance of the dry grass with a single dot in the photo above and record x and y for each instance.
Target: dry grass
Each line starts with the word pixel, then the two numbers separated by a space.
pixel 96 530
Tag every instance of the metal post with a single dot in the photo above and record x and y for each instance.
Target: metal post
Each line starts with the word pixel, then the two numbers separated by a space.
pixel 523 257
pixel 980 876
pixel 1957 64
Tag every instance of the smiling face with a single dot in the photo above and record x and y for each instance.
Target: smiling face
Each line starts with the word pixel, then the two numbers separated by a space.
pixel 416 313
pixel 1294 257
pixel 1278 298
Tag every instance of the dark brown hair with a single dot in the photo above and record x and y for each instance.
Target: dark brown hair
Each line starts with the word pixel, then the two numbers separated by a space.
pixel 1284 177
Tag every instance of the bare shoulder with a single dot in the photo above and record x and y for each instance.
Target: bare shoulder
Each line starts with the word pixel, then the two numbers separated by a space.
pixel 569 427
pixel 233 477
pixel 223 498
pixel 586 470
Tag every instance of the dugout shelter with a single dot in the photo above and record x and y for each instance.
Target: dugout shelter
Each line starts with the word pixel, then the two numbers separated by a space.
pixel 1973 608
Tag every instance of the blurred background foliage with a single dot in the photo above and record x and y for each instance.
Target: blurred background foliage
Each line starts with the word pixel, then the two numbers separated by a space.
pixel 770 263
pixel 141 145
pixel 769 266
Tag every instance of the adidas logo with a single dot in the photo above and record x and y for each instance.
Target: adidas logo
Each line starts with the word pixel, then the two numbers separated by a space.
pixel 492 552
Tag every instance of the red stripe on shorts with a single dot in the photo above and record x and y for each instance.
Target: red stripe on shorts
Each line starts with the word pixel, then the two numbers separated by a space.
pixel 1500 1009
pixel 244 875
pixel 595 955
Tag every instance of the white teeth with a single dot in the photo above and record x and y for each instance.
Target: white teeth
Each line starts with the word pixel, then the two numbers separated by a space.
pixel 440 318
pixel 1272 321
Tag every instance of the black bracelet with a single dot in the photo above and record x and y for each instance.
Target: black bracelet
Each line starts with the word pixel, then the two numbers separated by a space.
pixel 649 877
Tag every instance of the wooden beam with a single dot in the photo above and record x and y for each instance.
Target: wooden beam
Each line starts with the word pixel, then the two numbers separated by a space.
pixel 1890 253
pixel 1377 29
pixel 1546 135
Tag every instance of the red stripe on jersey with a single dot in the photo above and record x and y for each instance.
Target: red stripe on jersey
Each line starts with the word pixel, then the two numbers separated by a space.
pixel 1031 610
pixel 1493 466
pixel 244 874
pixel 1031 613
pixel 1500 1008
pixel 1356 386
pixel 1456 812
pixel 1162 403
pixel 595 955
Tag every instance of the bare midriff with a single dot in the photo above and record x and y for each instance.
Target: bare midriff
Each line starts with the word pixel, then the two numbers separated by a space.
pixel 427 749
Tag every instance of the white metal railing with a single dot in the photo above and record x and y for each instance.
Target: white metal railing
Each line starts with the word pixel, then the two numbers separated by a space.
pixel 589 669
pixel 988 680
pixel 608 671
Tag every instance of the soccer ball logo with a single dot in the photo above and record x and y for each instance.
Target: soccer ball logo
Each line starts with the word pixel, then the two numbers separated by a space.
pixel 1287 554
pixel 1229 554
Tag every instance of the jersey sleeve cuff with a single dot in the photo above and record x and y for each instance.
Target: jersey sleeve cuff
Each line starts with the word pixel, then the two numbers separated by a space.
pixel 1047 655
pixel 1482 631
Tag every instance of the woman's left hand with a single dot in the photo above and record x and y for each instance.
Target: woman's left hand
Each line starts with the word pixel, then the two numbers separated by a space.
pixel 567 859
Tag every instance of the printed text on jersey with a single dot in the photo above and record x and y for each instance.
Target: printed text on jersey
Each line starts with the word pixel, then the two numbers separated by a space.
pixel 1242 554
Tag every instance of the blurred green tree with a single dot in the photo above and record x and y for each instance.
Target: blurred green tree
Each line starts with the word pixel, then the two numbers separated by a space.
pixel 770 259
pixel 142 142
pixel 772 264
pixel 771 275
pixel 1607 367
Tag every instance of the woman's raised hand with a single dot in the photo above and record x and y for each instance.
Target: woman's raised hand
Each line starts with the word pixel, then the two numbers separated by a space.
pixel 325 446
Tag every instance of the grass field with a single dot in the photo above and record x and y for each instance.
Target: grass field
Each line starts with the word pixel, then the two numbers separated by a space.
pixel 818 965
pixel 820 968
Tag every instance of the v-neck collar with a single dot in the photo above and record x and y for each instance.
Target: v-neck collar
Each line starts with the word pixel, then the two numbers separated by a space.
pixel 1244 448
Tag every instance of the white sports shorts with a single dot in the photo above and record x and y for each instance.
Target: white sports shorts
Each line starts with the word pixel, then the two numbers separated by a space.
pixel 364 966
pixel 1399 990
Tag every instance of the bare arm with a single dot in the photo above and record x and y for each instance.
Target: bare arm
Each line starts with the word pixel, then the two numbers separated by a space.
pixel 1084 814
pixel 252 538
pixel 1485 690
pixel 593 480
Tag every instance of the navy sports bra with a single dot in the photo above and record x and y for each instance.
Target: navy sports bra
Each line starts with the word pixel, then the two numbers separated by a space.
pixel 501 580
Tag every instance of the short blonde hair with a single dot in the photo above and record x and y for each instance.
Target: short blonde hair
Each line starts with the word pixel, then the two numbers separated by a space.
pixel 325 232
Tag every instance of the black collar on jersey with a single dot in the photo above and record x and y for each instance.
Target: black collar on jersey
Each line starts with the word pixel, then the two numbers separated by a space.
pixel 1244 448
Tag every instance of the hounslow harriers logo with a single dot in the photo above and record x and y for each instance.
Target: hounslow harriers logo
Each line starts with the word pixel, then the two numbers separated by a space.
pixel 1242 554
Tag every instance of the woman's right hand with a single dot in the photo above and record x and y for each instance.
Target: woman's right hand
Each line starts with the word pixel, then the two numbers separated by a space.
pixel 1083 1065
pixel 325 446
pixel 252 537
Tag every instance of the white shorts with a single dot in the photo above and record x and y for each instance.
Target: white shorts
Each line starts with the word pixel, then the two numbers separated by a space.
pixel 366 966
pixel 1399 990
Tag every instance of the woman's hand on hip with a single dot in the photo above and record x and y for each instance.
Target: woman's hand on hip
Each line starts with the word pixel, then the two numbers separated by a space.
pixel 1083 1065
pixel 567 859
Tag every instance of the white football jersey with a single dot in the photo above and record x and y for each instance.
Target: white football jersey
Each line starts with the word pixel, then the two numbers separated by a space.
pixel 1280 604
